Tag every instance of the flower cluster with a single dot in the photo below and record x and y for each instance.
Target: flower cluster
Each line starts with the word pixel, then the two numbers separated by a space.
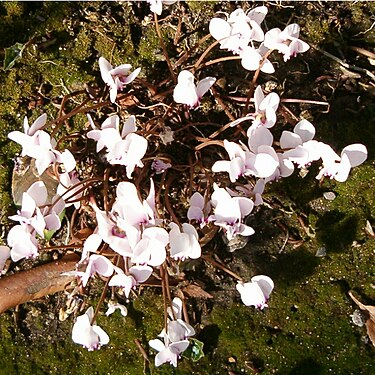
pixel 133 233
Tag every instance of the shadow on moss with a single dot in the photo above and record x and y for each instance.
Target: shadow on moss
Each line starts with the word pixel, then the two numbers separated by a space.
pixel 337 230
pixel 308 366
pixel 293 267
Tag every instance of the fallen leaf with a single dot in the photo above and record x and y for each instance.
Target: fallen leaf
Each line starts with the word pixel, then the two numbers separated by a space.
pixel 12 54
pixel 369 312
pixel 195 291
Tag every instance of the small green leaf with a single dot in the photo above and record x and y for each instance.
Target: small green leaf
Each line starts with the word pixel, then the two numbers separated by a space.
pixel 12 54
pixel 49 233
pixel 194 350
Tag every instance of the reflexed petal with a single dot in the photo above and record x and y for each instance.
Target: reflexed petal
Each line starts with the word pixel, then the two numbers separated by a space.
pixel 204 85
pixel 132 76
pixel 38 192
pixel 265 165
pixel 141 273
pixel 101 265
pixel 305 129
pixel 121 70
pixel 291 30
pixel 67 158
pixel 245 204
pixel 251 294
pixel 236 168
pixel 43 161
pixel 105 67
pixel 185 93
pixel 129 127
pixel 272 100
pixel 157 345
pixel 265 283
pixel 289 140
pixel 258 14
pixel 356 153
pixel 221 166
pixel 197 200
pixel 103 337
pixel 219 29
pixel 37 125
pixel 267 67
pixel 343 169
pixel 259 137
pixel 250 58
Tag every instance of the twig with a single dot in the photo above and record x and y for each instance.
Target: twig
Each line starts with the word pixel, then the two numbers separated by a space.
pixel 164 49
pixel 344 64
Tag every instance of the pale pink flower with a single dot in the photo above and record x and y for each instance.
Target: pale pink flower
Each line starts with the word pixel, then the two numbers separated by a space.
pixel 184 243
pixel 286 41
pixel 87 333
pixel 116 78
pixel 186 92
pixel 256 293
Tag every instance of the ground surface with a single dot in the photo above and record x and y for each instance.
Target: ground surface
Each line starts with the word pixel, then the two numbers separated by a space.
pixel 308 327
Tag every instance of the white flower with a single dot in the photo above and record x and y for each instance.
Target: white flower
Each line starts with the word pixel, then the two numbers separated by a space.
pixel 338 167
pixel 113 306
pixel 286 41
pixel 22 242
pixel 184 244
pixel 186 92
pixel 251 59
pixel 116 78
pixel 124 148
pixel 229 212
pixel 235 33
pixel 38 144
pixel 256 293
pixel 198 209
pixel 88 334
pixel 137 275
pixel 168 351
pixel 156 6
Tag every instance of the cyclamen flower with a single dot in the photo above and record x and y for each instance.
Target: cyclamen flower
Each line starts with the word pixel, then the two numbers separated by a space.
pixel 97 264
pixel 184 244
pixel 299 144
pixel 116 78
pixel 256 293
pixel 21 239
pixel 156 6
pixel 39 145
pixel 136 276
pixel 40 219
pixel 338 167
pixel 229 212
pixel 113 306
pixel 88 334
pixel 124 148
pixel 251 59
pixel 286 41
pixel 235 33
pixel 198 209
pixel 186 92
pixel 168 351
pixel 175 338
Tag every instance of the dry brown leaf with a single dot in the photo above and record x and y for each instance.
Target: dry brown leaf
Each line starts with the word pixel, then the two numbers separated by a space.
pixel 369 312
pixel 195 291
